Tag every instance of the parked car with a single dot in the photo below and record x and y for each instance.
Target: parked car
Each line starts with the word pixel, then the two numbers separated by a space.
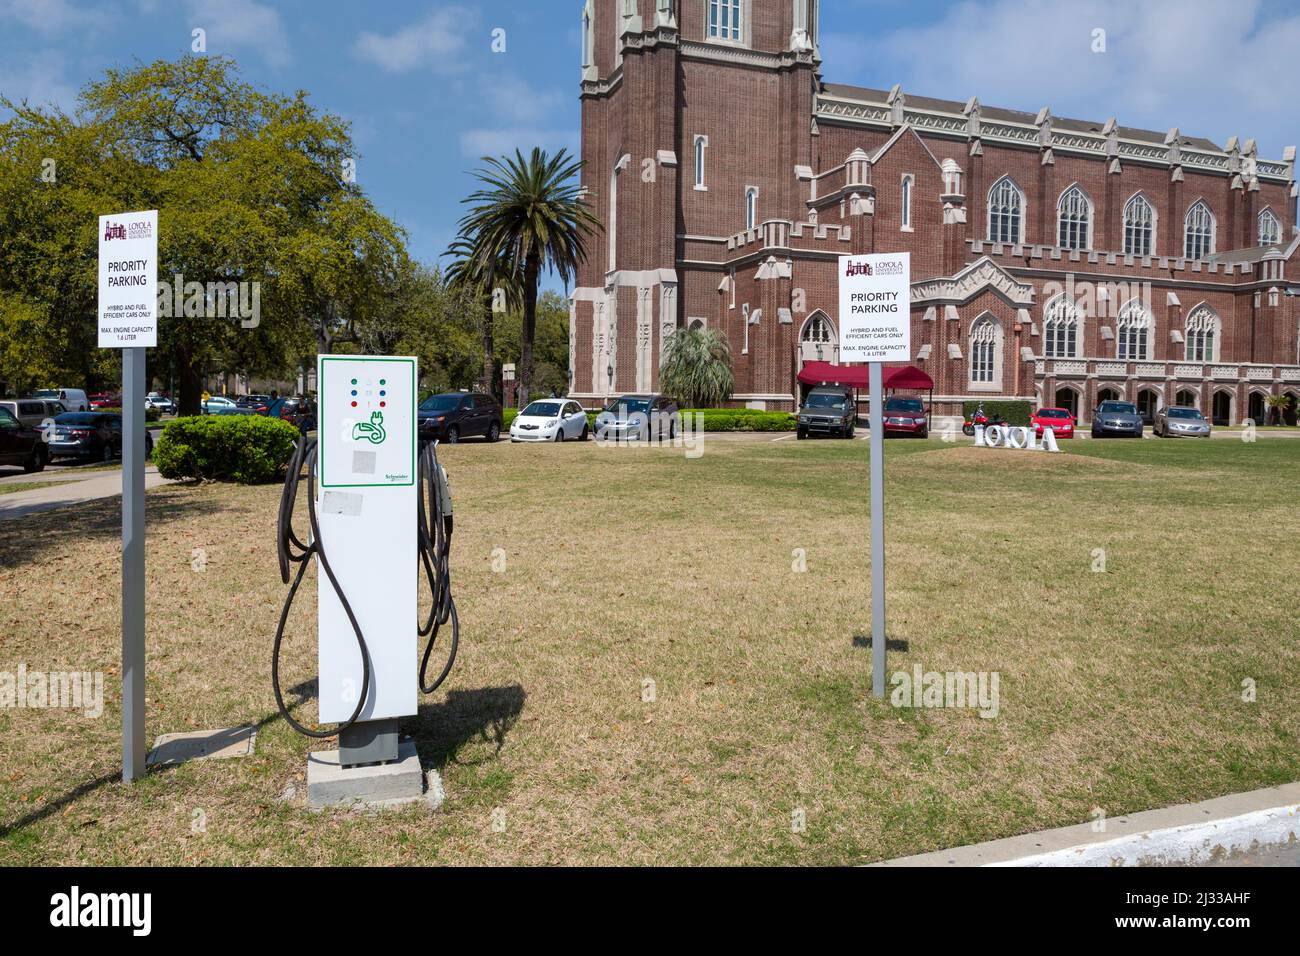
pixel 451 416
pixel 905 416
pixel 1174 421
pixel 827 410
pixel 160 402
pixel 92 436
pixel 20 444
pixel 637 418
pixel 550 419
pixel 257 404
pixel 220 405
pixel 103 400
pixel 32 412
pixel 72 399
pixel 1116 418
pixel 1059 420
pixel 299 412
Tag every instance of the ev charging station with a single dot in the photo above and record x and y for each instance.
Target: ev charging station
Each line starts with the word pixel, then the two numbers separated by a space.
pixel 366 511
pixel 380 511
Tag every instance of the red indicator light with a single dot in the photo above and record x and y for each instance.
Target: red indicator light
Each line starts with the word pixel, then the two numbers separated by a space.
pixel 354 404
pixel 382 404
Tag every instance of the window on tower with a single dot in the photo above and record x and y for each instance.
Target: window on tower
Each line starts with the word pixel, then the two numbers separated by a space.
pixel 724 19
pixel 751 207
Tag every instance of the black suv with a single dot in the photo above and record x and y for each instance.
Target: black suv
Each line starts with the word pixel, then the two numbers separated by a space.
pixel 21 444
pixel 828 410
pixel 455 415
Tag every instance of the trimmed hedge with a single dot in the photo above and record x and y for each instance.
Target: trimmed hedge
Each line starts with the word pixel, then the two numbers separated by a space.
pixel 1015 412
pixel 248 449
pixel 743 420
pixel 150 414
pixel 508 415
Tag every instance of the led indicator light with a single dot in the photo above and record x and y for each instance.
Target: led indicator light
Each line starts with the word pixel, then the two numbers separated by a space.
pixel 382 404
pixel 354 404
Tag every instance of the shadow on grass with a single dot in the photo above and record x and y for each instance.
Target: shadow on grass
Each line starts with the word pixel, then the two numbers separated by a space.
pixel 486 714
pixel 26 540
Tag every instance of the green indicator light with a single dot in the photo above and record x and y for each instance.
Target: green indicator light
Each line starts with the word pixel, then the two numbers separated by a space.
pixel 354 381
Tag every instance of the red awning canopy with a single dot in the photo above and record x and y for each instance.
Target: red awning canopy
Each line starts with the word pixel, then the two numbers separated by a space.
pixel 825 373
pixel 855 376
pixel 907 376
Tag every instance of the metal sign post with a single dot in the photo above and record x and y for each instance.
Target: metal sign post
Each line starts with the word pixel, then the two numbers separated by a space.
pixel 128 320
pixel 876 418
pixel 876 327
pixel 133 390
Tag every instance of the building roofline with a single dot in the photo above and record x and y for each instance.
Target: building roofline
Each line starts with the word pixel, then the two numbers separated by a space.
pixel 971 120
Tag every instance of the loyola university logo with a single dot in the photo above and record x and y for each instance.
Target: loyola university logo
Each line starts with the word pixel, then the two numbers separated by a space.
pixel 138 230
pixel 885 267
pixel 857 269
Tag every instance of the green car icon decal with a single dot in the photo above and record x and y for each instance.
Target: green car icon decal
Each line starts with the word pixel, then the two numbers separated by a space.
pixel 371 431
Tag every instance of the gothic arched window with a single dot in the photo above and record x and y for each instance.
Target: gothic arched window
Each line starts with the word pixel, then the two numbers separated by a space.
pixel 1074 219
pixel 1270 229
pixel 1006 204
pixel 983 350
pixel 1134 332
pixel 1201 335
pixel 816 329
pixel 1061 328
pixel 1198 231
pixel 1139 226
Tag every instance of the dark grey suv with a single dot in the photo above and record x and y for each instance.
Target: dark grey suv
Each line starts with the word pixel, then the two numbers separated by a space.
pixel 828 410
pixel 455 415
pixel 1116 418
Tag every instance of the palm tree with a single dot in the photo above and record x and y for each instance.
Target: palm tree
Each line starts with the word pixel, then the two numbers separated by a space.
pixel 697 368
pixel 1278 406
pixel 485 284
pixel 530 215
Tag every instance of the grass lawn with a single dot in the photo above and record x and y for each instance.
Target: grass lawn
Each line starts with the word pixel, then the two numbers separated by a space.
pixel 1119 690
pixel 12 488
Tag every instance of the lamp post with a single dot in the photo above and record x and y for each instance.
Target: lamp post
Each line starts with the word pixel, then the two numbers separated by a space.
pixel 609 371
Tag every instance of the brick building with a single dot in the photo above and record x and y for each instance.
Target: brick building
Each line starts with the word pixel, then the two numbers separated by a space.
pixel 1056 260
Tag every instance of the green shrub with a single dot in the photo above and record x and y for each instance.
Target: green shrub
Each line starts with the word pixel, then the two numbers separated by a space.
pixel 1016 412
pixel 742 420
pixel 245 448
pixel 508 415
pixel 150 414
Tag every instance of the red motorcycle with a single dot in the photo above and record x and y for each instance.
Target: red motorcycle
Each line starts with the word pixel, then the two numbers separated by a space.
pixel 983 420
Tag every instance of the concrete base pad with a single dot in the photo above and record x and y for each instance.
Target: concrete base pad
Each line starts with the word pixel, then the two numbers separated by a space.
pixel 381 785
pixel 203 745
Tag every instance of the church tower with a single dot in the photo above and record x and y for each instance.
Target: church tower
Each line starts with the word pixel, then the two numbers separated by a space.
pixel 696 120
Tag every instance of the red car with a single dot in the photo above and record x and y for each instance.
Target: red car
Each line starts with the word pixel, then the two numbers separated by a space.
pixel 905 416
pixel 105 400
pixel 1059 420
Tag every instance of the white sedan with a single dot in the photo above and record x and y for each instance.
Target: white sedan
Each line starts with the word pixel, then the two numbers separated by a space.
pixel 552 419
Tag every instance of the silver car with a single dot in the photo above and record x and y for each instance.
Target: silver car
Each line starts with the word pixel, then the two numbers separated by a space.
pixel 1174 421
pixel 1116 418
pixel 637 418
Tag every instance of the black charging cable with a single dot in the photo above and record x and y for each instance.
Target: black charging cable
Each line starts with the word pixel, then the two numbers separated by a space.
pixel 435 556
pixel 434 547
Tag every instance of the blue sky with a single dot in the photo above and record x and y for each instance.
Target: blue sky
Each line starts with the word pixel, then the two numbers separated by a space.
pixel 427 95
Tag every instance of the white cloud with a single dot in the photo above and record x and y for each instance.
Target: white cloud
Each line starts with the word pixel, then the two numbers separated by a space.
pixel 436 42
pixel 1212 69
pixel 515 100
pixel 499 141
pixel 232 25
pixel 39 80
pixel 51 16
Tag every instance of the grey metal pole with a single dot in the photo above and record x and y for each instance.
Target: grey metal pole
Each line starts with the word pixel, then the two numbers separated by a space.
pixel 877 422
pixel 133 443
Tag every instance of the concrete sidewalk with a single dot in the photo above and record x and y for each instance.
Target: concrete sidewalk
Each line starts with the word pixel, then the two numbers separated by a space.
pixel 86 487
pixel 1191 834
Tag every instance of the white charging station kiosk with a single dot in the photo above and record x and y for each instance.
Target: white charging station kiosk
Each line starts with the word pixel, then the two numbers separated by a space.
pixel 366 507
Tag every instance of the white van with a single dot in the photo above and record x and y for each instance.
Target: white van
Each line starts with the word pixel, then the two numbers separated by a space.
pixel 32 412
pixel 72 399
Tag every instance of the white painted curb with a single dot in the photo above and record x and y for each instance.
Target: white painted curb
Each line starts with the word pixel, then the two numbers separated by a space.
pixel 1194 843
